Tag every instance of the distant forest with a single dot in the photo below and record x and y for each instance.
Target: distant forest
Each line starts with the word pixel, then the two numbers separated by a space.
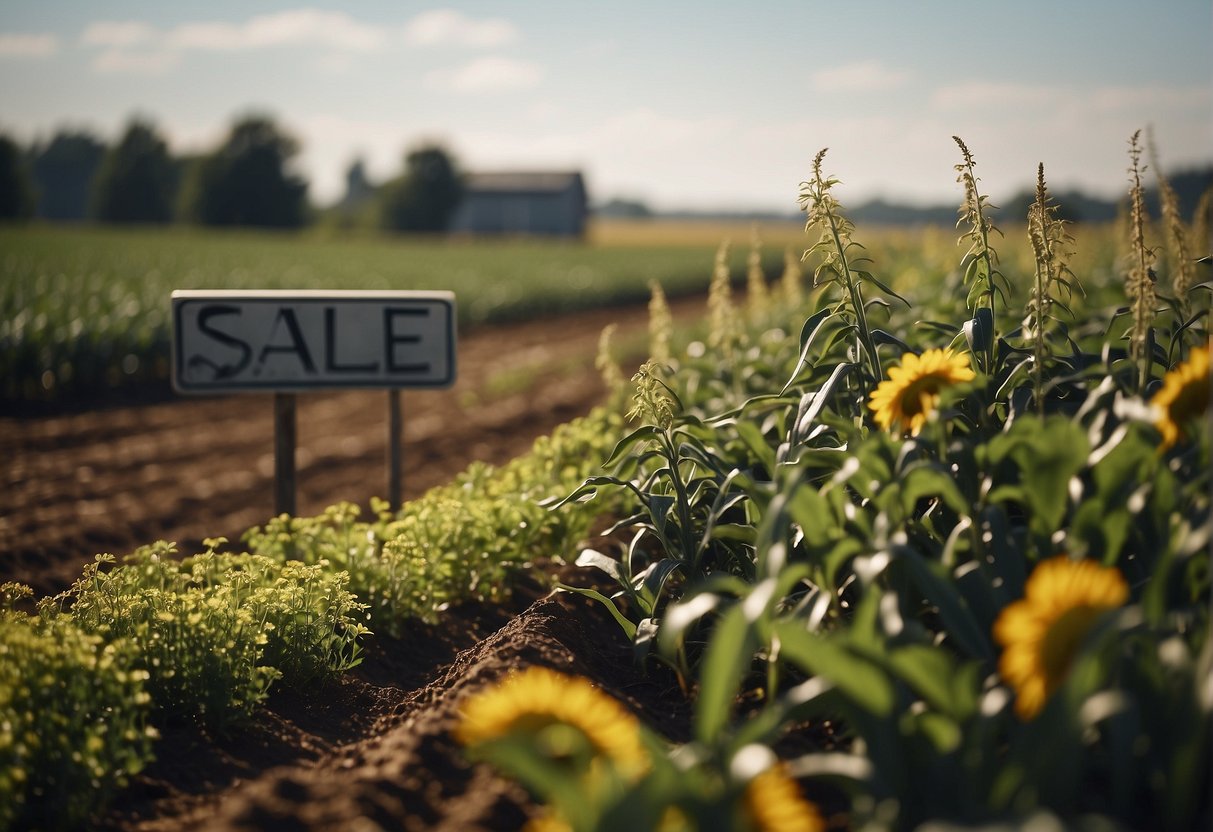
pixel 250 180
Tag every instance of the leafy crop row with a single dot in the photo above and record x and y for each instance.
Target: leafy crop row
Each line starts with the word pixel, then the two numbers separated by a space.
pixel 159 639
pixel 960 528
pixel 458 541
pixel 86 311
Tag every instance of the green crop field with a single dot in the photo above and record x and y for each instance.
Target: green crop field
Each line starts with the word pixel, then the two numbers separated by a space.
pixel 83 310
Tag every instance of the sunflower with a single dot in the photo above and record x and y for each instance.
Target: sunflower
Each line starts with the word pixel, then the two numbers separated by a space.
pixel 911 392
pixel 529 702
pixel 1041 633
pixel 1184 396
pixel 547 822
pixel 772 801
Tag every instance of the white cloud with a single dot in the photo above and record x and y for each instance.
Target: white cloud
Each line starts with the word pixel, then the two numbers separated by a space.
pixel 489 74
pixel 863 76
pixel 118 34
pixel 447 27
pixel 23 45
pixel 295 27
pixel 137 47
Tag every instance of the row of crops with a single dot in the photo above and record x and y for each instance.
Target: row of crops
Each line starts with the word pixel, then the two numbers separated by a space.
pixel 925 545
pixel 88 679
pixel 85 311
pixel 940 561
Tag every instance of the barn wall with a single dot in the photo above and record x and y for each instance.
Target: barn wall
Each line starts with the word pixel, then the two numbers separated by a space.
pixel 560 213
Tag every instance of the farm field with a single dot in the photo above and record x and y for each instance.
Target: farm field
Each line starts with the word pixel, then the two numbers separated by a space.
pixel 85 310
pixel 920 545
pixel 112 480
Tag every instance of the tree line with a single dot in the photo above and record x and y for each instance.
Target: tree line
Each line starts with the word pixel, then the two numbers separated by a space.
pixel 248 180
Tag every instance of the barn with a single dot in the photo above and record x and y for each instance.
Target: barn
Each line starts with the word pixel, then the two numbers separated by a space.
pixel 539 203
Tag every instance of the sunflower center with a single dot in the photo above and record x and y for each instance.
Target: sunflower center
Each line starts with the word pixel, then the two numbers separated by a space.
pixel 1062 640
pixel 1191 401
pixel 921 394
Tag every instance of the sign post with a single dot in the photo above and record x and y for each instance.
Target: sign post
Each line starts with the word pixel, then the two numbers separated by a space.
pixel 395 460
pixel 284 453
pixel 287 342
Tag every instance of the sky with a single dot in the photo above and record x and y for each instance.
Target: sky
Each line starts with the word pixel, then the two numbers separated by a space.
pixel 683 105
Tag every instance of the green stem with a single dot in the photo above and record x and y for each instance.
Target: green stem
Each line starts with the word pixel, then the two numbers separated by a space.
pixel 856 295
pixel 985 255
pixel 682 502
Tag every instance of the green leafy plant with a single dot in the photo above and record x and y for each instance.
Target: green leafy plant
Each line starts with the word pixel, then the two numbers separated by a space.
pixel 216 630
pixel 991 583
pixel 73 719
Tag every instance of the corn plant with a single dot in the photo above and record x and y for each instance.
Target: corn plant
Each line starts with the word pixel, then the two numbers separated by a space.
pixel 988 572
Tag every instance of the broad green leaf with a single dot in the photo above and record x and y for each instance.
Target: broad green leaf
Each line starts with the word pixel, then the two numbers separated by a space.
pixel 929 671
pixel 641 434
pixel 808 334
pixel 812 512
pixel 730 650
pixel 596 559
pixel 941 731
pixel 979 330
pixel 856 677
pixel 628 627
pixel 651 581
pixel 960 625
pixel 752 436
pixel 929 480
pixel 659 506
pixel 806 419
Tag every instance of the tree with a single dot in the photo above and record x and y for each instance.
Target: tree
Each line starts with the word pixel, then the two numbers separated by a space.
pixel 137 179
pixel 246 182
pixel 63 175
pixel 16 192
pixel 425 197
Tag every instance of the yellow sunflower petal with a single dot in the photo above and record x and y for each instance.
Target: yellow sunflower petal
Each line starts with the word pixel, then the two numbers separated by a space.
pixel 1183 397
pixel 773 803
pixel 1040 634
pixel 528 701
pixel 909 396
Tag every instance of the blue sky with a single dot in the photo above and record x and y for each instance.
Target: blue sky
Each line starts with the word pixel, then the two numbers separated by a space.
pixel 685 105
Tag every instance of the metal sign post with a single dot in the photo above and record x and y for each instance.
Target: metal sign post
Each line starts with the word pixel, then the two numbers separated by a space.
pixel 286 342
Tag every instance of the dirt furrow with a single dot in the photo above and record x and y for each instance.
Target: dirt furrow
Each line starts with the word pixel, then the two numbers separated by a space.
pixel 111 479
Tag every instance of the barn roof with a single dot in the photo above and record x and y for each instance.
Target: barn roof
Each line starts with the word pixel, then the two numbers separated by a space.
pixel 522 181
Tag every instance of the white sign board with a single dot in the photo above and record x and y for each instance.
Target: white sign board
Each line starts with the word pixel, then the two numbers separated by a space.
pixel 248 341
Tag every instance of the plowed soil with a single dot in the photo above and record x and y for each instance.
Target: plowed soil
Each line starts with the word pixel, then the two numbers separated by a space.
pixel 374 751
